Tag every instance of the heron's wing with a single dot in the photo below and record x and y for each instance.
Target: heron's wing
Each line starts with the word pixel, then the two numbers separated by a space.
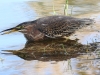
pixel 56 26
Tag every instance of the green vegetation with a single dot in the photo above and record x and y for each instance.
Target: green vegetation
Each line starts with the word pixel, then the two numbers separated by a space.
pixel 54 12
pixel 66 8
pixel 64 48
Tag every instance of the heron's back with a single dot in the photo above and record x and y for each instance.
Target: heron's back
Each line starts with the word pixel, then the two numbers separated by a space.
pixel 56 26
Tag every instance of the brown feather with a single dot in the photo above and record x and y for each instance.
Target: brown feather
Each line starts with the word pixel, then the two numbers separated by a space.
pixel 57 26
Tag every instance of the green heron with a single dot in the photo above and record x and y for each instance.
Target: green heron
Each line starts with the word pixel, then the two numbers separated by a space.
pixel 50 27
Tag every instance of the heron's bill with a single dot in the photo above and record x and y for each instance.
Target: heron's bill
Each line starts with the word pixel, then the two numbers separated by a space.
pixel 7 31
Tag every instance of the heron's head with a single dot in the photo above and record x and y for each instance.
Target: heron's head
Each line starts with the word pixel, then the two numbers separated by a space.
pixel 23 27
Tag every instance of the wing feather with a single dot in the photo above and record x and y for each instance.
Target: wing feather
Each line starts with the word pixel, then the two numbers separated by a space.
pixel 55 26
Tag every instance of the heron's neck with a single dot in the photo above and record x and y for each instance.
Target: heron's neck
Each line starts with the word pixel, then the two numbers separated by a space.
pixel 34 35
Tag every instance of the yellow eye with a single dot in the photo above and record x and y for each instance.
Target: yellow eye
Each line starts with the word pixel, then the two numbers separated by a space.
pixel 19 27
pixel 23 26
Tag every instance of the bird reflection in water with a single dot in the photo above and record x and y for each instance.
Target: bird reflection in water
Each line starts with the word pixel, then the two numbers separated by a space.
pixel 54 50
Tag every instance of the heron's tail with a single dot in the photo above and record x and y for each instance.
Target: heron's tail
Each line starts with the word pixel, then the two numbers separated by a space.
pixel 87 21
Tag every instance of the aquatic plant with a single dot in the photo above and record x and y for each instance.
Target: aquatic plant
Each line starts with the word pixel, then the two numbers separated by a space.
pixel 66 8
pixel 54 12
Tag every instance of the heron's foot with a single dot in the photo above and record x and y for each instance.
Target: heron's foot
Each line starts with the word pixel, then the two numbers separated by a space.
pixel 66 38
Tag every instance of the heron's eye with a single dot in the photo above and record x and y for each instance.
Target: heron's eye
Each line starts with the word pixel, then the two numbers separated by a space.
pixel 23 26
pixel 19 27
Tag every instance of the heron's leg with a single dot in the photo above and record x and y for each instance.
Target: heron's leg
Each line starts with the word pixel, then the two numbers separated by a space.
pixel 66 38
